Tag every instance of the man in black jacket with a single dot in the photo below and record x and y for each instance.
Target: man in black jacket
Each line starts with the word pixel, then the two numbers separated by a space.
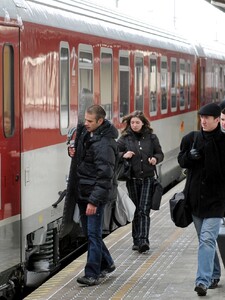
pixel 96 154
pixel 205 191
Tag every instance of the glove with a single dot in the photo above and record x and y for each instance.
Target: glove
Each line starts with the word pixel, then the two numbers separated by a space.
pixel 194 154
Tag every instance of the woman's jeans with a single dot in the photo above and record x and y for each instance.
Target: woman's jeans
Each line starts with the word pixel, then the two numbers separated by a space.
pixel 98 256
pixel 208 260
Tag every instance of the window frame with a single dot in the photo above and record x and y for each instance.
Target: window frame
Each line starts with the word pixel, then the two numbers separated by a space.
pixel 64 87
pixel 124 69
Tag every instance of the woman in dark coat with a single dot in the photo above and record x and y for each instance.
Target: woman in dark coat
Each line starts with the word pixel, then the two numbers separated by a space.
pixel 141 147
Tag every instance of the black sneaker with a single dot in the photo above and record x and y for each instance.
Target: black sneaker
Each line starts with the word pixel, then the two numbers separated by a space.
pixel 88 281
pixel 135 247
pixel 107 271
pixel 214 284
pixel 143 248
pixel 201 290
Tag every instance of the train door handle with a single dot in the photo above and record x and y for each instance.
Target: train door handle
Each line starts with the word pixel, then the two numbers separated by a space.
pixel 17 177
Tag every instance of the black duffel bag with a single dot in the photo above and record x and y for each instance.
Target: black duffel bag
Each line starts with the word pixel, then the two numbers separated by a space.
pixel 179 210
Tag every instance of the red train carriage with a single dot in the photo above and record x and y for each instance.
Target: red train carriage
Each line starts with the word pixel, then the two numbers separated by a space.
pixel 55 60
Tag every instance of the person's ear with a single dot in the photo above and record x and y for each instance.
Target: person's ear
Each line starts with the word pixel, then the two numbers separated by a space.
pixel 100 121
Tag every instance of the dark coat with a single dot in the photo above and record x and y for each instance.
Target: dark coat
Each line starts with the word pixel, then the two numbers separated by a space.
pixel 205 185
pixel 144 145
pixel 96 163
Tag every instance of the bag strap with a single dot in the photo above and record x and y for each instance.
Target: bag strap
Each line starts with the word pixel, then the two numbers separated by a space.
pixel 195 138
pixel 156 173
pixel 153 136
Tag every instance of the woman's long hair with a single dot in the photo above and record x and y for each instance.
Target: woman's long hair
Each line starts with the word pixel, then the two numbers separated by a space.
pixel 136 114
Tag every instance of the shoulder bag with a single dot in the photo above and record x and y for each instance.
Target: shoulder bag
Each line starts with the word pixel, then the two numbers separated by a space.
pixel 124 170
pixel 157 192
pixel 179 210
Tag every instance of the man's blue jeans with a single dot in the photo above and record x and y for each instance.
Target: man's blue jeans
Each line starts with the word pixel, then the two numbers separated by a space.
pixel 208 260
pixel 98 256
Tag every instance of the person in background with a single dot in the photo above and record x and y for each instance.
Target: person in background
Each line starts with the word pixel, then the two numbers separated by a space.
pixel 141 147
pixel 7 125
pixel 96 153
pixel 205 164
pixel 222 120
pixel 222 104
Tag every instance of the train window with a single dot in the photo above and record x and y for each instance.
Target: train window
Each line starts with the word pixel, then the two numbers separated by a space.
pixel 64 86
pixel 202 82
pixel 153 86
pixel 8 90
pixel 173 84
pixel 106 81
pixel 221 85
pixel 213 82
pixel 217 82
pixel 182 84
pixel 139 83
pixel 85 79
pixel 124 75
pixel 188 84
pixel 164 84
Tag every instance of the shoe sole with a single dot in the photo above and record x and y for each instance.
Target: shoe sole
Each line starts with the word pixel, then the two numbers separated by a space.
pixel 88 284
pixel 212 287
pixel 104 273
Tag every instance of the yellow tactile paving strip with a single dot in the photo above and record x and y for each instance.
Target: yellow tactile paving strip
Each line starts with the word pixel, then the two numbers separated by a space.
pixel 141 271
pixel 166 272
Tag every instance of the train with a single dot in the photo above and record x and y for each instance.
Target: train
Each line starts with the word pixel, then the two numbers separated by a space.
pixel 56 59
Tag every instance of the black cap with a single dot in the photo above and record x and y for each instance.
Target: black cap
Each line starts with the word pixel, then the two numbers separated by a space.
pixel 211 109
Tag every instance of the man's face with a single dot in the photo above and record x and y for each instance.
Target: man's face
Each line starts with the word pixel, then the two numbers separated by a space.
pixel 222 121
pixel 91 123
pixel 209 123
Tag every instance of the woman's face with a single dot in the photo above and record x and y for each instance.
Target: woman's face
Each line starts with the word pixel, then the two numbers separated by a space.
pixel 136 124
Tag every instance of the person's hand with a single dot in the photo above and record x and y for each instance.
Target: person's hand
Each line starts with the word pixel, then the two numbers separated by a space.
pixel 152 161
pixel 71 151
pixel 194 154
pixel 91 209
pixel 128 154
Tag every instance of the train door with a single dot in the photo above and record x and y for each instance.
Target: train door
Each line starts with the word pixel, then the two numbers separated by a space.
pixel 9 131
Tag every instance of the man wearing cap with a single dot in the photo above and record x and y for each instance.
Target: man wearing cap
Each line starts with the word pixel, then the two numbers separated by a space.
pixel 204 160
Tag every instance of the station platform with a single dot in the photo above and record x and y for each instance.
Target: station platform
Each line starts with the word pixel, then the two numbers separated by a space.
pixel 167 271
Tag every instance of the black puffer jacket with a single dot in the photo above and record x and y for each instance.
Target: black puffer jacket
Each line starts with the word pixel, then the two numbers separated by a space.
pixel 144 144
pixel 205 186
pixel 96 163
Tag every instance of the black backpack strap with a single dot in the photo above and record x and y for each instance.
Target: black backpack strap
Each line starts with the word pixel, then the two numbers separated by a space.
pixel 195 136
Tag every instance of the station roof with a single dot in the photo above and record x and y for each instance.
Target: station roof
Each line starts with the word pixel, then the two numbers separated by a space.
pixel 220 4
